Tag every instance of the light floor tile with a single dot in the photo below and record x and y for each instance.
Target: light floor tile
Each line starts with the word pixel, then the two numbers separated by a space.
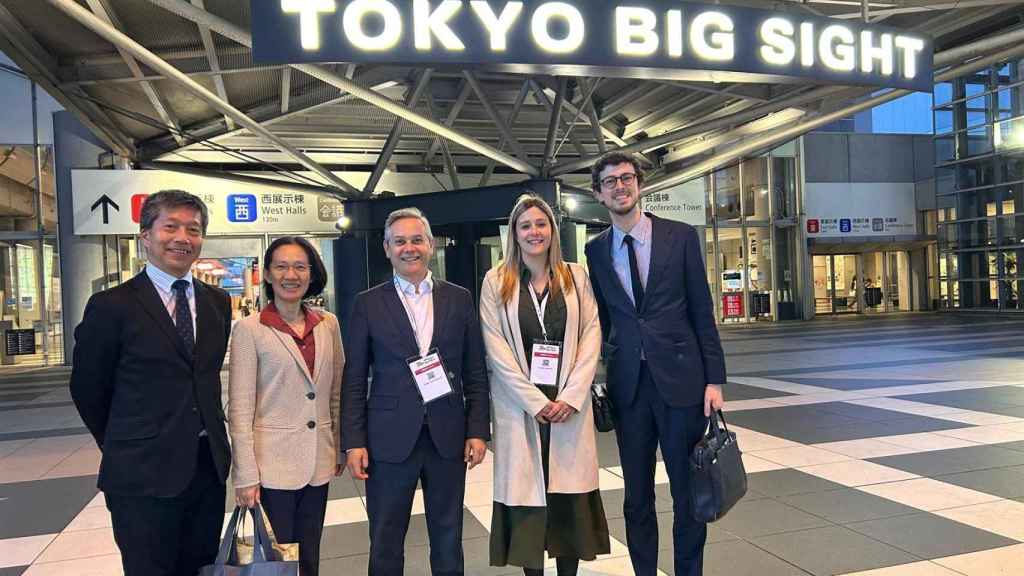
pixel 1003 517
pixel 9 446
pixel 345 511
pixel 609 481
pixel 754 464
pixel 84 544
pixel 864 448
pixel 22 551
pixel 752 404
pixel 660 474
pixel 483 515
pixel 107 565
pixel 979 418
pixel 780 385
pixel 928 494
pixel 916 569
pixel 482 472
pixel 1017 426
pixel 99 500
pixel 752 440
pixel 617 470
pixel 90 518
pixel 84 462
pixel 417 503
pixel 926 441
pixel 797 456
pixel 995 434
pixel 606 567
pixel 479 494
pixel 857 473
pixel 834 396
pixel 905 406
pixel 1005 561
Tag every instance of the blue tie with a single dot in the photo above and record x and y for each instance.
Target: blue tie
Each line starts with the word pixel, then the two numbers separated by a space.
pixel 183 315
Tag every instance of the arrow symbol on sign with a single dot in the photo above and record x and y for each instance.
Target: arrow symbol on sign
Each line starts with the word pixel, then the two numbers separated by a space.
pixel 106 202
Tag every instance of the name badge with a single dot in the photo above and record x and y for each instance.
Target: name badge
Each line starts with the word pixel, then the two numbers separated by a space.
pixel 430 376
pixel 544 364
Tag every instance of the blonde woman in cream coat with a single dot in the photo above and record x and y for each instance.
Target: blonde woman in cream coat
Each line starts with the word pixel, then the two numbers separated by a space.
pixel 546 496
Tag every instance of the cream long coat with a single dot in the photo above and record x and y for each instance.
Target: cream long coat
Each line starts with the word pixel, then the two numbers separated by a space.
pixel 573 468
pixel 269 410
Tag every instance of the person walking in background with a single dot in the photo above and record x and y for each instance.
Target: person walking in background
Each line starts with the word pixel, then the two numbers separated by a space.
pixel 543 337
pixel 665 362
pixel 285 400
pixel 146 382
pixel 427 414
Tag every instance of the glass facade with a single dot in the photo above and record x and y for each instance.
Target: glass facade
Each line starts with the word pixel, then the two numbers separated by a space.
pixel 751 238
pixel 979 175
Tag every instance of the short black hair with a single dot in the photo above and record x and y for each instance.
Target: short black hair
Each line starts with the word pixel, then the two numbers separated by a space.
pixel 614 158
pixel 155 203
pixel 317 270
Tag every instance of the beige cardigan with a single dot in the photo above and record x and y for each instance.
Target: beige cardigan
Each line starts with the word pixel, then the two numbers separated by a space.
pixel 573 469
pixel 269 410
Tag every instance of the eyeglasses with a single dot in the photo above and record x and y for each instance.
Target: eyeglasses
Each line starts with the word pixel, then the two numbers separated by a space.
pixel 282 268
pixel 627 179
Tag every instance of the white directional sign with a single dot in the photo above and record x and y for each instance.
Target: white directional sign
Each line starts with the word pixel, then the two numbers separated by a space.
pixel 109 201
pixel 682 203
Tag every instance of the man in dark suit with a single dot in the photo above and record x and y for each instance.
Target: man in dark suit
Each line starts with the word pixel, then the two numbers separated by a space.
pixel 665 361
pixel 406 428
pixel 146 381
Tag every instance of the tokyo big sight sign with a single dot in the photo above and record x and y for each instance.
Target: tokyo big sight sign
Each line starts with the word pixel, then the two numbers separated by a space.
pixel 662 39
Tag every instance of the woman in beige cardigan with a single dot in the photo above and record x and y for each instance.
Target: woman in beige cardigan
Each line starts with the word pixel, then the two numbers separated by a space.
pixel 534 307
pixel 284 400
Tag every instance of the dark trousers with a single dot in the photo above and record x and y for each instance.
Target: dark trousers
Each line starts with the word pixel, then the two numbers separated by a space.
pixel 389 493
pixel 298 516
pixel 171 536
pixel 640 428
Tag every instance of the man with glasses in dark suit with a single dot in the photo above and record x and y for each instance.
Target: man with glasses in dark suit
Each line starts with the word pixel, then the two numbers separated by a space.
pixel 146 382
pixel 665 362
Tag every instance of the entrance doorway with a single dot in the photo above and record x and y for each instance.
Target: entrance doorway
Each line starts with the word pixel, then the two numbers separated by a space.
pixel 870 283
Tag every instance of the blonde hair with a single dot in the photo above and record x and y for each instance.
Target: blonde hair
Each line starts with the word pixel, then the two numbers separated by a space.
pixel 511 268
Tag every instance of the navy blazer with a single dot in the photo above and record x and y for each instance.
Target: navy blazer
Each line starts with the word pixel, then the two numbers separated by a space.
pixel 139 393
pixel 675 327
pixel 387 417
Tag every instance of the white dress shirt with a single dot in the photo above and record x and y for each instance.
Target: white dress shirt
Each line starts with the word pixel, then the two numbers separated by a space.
pixel 419 305
pixel 641 234
pixel 162 281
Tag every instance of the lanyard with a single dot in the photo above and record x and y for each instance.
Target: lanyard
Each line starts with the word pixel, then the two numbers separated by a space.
pixel 540 306
pixel 412 315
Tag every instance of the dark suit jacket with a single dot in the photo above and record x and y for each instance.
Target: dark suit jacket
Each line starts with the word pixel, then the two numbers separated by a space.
pixel 139 395
pixel 675 327
pixel 386 418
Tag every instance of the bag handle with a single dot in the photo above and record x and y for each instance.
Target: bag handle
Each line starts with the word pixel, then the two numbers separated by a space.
pixel 228 542
pixel 262 551
pixel 713 427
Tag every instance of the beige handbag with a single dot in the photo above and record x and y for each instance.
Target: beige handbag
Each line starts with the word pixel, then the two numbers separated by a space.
pixel 244 544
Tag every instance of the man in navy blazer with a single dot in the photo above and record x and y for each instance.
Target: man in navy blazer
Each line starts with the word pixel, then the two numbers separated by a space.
pixel 665 361
pixel 394 437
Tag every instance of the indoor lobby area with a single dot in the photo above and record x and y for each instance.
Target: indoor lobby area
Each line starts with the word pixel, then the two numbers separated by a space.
pixel 883 446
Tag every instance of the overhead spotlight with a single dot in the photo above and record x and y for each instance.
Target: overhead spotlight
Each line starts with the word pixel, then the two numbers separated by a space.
pixel 571 204
pixel 343 223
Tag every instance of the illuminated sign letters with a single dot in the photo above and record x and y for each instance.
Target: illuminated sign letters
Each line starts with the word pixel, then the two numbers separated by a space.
pixel 618 38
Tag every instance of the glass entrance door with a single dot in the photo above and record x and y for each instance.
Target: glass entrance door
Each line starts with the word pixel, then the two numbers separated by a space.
pixel 836 289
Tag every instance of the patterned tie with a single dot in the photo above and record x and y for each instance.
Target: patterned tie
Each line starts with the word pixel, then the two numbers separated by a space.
pixel 183 315
pixel 634 274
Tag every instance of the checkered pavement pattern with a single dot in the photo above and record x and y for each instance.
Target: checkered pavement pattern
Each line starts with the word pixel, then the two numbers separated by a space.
pixel 875 446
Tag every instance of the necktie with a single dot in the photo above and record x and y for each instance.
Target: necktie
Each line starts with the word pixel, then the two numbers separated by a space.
pixel 183 315
pixel 634 274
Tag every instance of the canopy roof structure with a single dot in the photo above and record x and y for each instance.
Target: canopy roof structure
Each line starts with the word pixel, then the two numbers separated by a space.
pixel 141 73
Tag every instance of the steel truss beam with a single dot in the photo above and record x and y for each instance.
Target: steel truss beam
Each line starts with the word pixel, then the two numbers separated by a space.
pixel 227 29
pixel 120 40
pixel 214 61
pixel 395 136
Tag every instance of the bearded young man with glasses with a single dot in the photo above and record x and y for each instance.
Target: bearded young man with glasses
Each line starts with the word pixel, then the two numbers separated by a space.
pixel 664 357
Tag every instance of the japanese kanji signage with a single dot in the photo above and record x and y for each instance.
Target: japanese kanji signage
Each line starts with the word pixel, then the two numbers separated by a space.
pixel 852 209
pixel 235 208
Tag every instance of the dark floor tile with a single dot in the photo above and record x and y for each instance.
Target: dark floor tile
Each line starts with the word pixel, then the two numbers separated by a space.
pixel 1002 482
pixel 868 413
pixel 43 433
pixel 1015 446
pixel 612 500
pixel 833 550
pixel 738 558
pixel 43 506
pixel 929 536
pixel 767 516
pixel 788 482
pixel 847 505
pixel 357 564
pixel 908 424
pixel 34 406
pixel 805 416
pixel 342 487
pixel 737 391
pixel 856 383
pixel 477 559
pixel 20 396
pixel 13 571
pixel 345 540
pixel 952 461
pixel 973 399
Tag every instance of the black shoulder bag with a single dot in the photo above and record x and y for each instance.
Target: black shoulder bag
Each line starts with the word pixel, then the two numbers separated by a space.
pixel 717 477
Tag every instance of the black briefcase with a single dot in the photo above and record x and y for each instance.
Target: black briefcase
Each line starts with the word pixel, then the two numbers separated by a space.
pixel 603 419
pixel 717 477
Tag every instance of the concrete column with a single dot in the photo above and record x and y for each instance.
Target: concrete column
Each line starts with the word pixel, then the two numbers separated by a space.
pixel 81 257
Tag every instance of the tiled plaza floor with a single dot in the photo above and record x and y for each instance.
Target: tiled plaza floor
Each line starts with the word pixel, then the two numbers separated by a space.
pixel 884 446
